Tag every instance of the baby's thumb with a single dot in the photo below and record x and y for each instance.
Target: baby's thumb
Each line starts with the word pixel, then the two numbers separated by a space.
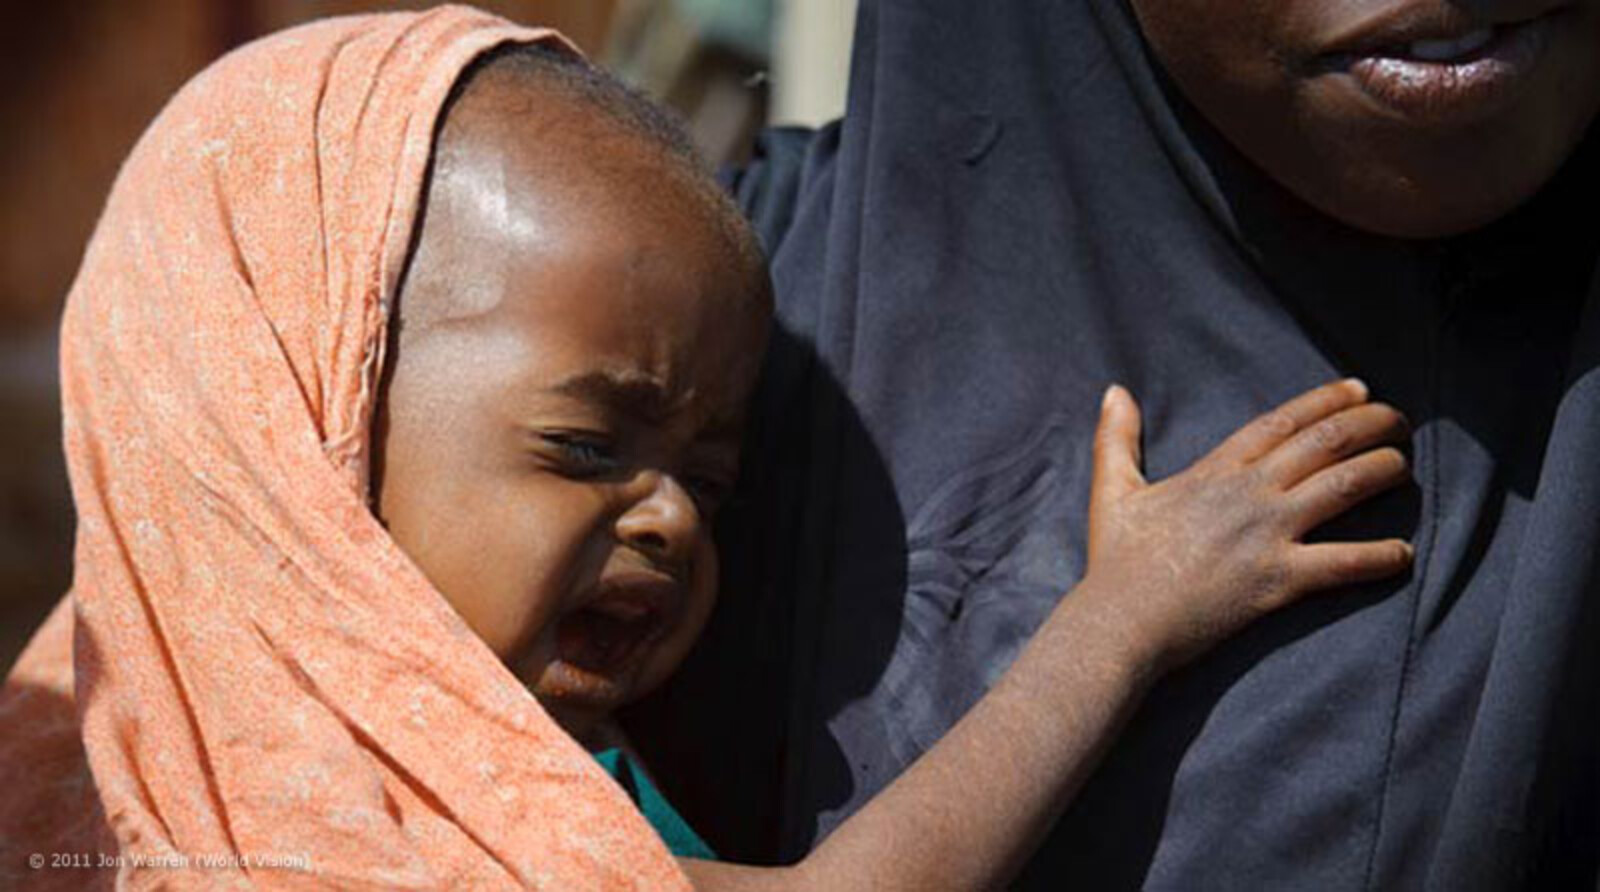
pixel 1117 460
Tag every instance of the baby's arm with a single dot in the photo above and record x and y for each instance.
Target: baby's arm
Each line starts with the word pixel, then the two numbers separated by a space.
pixel 1174 567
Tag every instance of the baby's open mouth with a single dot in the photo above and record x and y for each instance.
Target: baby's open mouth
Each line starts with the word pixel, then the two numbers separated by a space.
pixel 619 624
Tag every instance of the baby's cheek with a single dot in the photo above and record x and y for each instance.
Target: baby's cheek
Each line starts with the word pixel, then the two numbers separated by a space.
pixel 529 551
pixel 531 661
pixel 701 601
pixel 704 584
pixel 507 591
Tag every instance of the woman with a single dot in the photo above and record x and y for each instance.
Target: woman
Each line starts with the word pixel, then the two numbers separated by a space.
pixel 1219 204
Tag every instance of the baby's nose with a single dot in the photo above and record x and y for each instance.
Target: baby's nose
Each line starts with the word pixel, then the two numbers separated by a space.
pixel 664 523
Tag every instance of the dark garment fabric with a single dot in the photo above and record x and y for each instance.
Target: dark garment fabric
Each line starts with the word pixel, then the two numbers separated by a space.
pixel 1017 210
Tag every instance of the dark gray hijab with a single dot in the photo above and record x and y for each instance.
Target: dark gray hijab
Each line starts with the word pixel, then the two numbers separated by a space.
pixel 1017 210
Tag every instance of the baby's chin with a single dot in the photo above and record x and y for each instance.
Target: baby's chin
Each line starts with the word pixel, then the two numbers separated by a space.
pixel 590 662
pixel 565 686
pixel 582 694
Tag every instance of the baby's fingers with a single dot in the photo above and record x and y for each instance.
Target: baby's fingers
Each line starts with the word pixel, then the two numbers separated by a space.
pixel 1331 440
pixel 1269 430
pixel 1333 491
pixel 1117 458
pixel 1324 565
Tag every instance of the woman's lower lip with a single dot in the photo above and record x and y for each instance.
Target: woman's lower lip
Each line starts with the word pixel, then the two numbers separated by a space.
pixel 1458 91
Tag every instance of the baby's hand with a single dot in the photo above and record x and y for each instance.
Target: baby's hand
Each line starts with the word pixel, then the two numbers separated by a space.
pixel 1187 561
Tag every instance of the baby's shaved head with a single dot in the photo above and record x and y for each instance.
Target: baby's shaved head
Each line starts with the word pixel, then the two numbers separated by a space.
pixel 532 132
pixel 549 70
pixel 574 344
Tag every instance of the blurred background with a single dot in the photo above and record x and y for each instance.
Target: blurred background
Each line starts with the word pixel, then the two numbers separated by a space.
pixel 82 79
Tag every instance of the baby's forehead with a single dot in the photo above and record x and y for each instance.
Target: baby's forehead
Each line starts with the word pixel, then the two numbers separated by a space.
pixel 536 157
pixel 550 107
pixel 496 222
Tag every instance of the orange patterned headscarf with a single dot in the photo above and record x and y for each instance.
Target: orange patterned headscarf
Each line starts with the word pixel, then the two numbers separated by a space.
pixel 250 686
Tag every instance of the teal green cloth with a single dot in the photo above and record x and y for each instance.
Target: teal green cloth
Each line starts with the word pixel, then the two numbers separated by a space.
pixel 680 838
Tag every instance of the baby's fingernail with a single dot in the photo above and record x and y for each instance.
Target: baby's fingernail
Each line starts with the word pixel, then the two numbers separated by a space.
pixel 1105 401
pixel 1360 386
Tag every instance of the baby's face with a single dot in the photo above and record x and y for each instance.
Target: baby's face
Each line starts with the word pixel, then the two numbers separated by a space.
pixel 564 414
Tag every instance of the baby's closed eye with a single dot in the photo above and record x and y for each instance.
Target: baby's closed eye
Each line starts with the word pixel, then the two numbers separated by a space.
pixel 582 454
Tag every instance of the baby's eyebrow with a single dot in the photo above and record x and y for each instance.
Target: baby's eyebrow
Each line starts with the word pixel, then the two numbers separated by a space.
pixel 633 394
